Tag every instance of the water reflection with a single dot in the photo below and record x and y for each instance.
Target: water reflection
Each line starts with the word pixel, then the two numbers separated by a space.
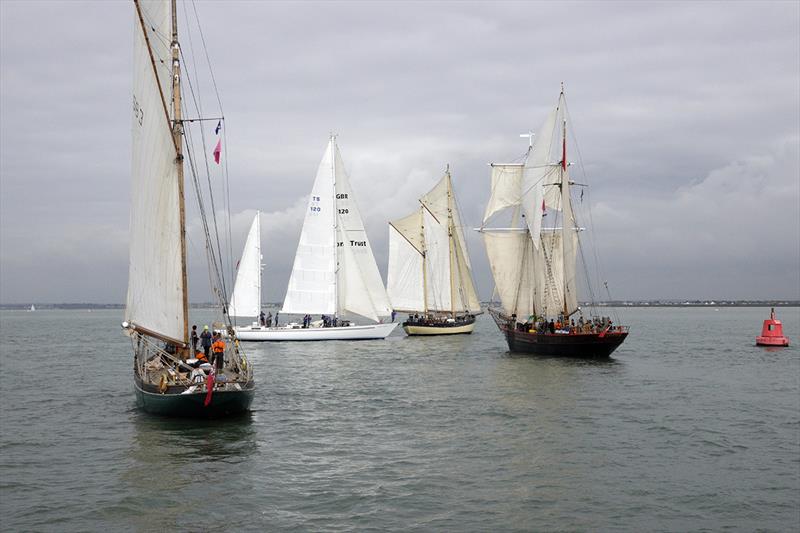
pixel 176 464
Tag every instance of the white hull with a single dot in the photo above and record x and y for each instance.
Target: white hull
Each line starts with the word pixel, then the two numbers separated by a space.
pixel 348 333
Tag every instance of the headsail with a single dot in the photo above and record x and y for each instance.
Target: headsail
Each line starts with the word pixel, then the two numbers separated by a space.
pixel 155 287
pixel 361 289
pixel 246 298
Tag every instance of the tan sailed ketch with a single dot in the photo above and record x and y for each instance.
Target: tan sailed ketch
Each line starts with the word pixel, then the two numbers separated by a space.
pixel 533 264
pixel 429 274
pixel 168 379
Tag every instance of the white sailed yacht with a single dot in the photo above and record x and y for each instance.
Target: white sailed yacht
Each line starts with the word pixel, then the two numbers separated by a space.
pixel 334 273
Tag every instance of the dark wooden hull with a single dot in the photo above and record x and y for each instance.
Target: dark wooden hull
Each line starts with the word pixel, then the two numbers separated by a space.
pixel 575 345
pixel 191 405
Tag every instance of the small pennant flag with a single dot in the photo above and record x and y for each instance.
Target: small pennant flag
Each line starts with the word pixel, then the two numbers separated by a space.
pixel 219 127
pixel 217 151
pixel 544 209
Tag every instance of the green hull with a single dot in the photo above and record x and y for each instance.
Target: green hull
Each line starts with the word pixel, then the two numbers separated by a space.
pixel 223 403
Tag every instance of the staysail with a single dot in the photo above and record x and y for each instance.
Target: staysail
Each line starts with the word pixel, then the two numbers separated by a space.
pixel 155 287
pixel 361 289
pixel 246 297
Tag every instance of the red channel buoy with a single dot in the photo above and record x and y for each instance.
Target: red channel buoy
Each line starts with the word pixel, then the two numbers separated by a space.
pixel 772 332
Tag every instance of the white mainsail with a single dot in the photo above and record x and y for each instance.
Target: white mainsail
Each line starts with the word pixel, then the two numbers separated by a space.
pixel 534 267
pixel 432 239
pixel 155 288
pixel 312 285
pixel 334 269
pixel 246 297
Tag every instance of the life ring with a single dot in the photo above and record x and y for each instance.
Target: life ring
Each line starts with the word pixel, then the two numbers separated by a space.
pixel 162 385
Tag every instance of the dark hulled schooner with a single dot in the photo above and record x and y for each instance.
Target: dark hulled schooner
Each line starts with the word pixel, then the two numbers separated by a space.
pixel 168 379
pixel 533 263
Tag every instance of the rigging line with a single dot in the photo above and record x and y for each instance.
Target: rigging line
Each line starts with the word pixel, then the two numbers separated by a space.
pixel 208 59
pixel 226 174
pixel 213 270
pixel 201 204
pixel 194 170
pixel 222 285
pixel 595 253
pixel 227 189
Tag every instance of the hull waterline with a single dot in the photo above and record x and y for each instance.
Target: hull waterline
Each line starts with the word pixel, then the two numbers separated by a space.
pixel 422 327
pixel 348 333
pixel 192 405
pixel 573 345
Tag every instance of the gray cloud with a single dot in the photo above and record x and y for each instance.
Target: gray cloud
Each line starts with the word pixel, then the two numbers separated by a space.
pixel 686 117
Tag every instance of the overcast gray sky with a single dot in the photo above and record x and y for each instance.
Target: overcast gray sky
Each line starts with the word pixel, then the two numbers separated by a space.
pixel 687 117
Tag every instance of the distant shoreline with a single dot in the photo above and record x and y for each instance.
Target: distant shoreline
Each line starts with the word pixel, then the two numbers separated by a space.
pixel 631 303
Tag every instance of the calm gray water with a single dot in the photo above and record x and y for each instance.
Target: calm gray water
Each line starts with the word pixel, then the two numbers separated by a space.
pixel 690 427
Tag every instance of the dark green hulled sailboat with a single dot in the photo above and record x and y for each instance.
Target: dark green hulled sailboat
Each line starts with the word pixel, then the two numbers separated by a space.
pixel 168 380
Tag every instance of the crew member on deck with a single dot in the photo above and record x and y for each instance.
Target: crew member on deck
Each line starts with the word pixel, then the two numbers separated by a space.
pixel 205 340
pixel 219 351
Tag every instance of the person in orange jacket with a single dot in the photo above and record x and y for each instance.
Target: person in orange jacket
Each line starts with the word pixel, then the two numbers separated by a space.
pixel 218 347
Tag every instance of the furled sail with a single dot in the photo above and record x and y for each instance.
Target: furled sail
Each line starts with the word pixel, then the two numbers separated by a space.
pixel 155 288
pixel 312 284
pixel 361 289
pixel 246 297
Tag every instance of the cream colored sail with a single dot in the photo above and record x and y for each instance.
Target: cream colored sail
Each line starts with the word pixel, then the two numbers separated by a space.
pixel 435 235
pixel 570 252
pixel 155 289
pixel 404 281
pixel 511 259
pixel 246 297
pixel 506 188
pixel 538 168
pixel 535 268
pixel 312 284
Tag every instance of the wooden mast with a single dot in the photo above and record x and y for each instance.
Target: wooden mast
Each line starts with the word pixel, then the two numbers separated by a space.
pixel 451 249
pixel 177 134
pixel 564 197
pixel 424 259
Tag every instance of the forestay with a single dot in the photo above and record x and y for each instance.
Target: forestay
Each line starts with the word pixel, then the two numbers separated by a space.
pixel 155 289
